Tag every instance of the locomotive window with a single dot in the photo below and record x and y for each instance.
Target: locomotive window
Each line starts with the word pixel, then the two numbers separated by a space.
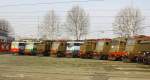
pixel 100 43
pixel 107 43
pixel 55 45
pixel 2 40
pixel 139 41
pixel 69 44
pixel 77 44
pixel 115 42
pixel 131 41
pixel 61 44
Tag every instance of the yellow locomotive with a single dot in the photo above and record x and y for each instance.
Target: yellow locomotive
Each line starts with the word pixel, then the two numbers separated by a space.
pixel 138 49
pixel 58 48
pixel 117 48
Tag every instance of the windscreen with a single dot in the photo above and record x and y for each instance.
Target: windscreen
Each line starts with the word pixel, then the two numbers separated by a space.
pixel 115 42
pixel 15 45
pixel 99 46
pixel 30 46
pixel 131 42
pixel 115 45
pixel 73 46
pixel 55 45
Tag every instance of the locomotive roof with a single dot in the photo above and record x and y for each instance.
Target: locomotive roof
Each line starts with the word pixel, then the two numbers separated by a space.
pixel 142 38
pixel 123 39
pixel 103 39
pixel 75 42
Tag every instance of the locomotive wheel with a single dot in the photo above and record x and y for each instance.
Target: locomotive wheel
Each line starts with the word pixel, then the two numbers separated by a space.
pixel 40 54
pixel 74 55
pixel 15 54
pixel 70 55
pixel 105 57
pixel 118 59
pixel 112 58
pixel 134 59
pixel 60 54
pixel 89 56
pixel 139 60
pixel 83 57
pixel 96 57
pixel 34 54
pixel 125 59
pixel 148 60
pixel 144 61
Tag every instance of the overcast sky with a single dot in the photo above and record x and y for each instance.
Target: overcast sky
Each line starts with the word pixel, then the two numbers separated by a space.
pixel 25 18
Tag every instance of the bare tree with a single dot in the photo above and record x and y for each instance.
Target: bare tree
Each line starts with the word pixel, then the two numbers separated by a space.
pixel 128 22
pixel 11 31
pixel 50 26
pixel 5 28
pixel 77 22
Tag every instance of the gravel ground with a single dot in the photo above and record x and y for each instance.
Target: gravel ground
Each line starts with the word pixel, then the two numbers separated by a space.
pixel 48 68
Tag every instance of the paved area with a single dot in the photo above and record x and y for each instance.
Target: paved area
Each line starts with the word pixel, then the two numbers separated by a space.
pixel 47 68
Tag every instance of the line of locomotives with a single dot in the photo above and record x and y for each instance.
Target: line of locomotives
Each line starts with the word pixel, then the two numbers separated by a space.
pixel 133 49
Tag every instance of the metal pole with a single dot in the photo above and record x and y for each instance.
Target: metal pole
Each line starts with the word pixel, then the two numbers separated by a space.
pixel 132 3
pixel 38 31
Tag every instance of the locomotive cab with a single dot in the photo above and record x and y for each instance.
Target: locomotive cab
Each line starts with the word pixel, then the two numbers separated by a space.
pixel 137 47
pixel 117 50
pixel 87 48
pixel 73 48
pixel 102 49
pixel 58 49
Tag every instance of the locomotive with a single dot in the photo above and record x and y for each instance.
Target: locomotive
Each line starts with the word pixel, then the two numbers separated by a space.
pixel 73 48
pixel 102 49
pixel 58 48
pixel 117 48
pixel 138 49
pixel 132 49
pixel 43 48
pixel 87 48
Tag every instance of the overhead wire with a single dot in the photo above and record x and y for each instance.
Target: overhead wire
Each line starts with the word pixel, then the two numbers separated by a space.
pixel 86 9
pixel 46 3
pixel 83 16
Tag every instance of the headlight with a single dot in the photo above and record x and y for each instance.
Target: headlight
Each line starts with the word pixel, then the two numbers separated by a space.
pixel 147 52
pixel 139 52
pixel 112 46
